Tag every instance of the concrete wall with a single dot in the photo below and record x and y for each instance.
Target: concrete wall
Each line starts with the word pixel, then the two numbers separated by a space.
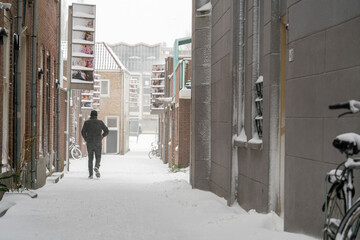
pixel 221 103
pixel 285 173
pixel 325 70
pixel 201 98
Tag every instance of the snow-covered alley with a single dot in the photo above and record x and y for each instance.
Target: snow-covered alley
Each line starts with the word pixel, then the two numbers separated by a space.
pixel 135 198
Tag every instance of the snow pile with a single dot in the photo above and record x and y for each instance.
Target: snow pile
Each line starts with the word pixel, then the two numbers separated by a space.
pixel 135 198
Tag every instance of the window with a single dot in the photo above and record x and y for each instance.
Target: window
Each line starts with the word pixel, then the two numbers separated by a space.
pixel 257 79
pixel 146 99
pixel 259 106
pixel 112 122
pixel 105 88
pixel 5 103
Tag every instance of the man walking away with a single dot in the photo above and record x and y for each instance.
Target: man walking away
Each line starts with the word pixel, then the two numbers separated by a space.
pixel 93 132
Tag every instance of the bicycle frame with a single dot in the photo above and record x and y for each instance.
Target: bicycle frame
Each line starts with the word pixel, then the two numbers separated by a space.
pixel 344 179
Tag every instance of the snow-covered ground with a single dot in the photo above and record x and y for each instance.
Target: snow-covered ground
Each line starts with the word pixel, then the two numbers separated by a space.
pixel 135 198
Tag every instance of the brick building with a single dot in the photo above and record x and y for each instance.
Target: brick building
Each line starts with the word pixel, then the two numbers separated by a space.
pixel 113 109
pixel 114 102
pixel 174 134
pixel 29 97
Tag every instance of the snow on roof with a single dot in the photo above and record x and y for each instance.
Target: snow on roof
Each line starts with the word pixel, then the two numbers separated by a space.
pixel 135 44
pixel 105 59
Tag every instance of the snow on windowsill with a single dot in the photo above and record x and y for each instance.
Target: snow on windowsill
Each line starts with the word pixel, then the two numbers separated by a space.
pixel 241 140
pixel 185 93
pixel 255 143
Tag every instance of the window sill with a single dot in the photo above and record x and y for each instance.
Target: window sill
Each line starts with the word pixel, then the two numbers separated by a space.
pixel 240 143
pixel 255 144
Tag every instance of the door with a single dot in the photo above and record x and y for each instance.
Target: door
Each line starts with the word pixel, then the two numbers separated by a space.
pixel 112 140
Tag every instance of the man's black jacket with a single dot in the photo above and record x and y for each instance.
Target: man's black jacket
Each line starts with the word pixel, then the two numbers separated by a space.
pixel 92 131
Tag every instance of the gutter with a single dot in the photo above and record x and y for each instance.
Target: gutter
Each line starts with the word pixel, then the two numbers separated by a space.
pixel 34 97
pixel 18 86
pixel 58 90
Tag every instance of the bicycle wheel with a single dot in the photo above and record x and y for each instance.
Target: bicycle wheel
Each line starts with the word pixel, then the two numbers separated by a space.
pixel 349 226
pixel 76 153
pixel 336 209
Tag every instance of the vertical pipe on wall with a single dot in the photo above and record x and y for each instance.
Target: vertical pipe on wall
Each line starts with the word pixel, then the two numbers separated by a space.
pixel 58 90
pixel 238 101
pixel 241 66
pixel 67 128
pixel 18 85
pixel 33 97
pixel 122 112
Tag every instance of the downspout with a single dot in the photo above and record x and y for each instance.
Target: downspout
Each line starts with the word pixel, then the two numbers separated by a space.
pixel 68 91
pixel 33 97
pixel 67 128
pixel 241 69
pixel 18 86
pixel 122 116
pixel 58 90
pixel 238 107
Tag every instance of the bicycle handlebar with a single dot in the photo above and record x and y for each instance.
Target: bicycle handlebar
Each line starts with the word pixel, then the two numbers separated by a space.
pixel 340 106
pixel 352 105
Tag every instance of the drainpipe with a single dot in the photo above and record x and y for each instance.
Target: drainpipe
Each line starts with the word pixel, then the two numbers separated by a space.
pixel 18 86
pixel 67 128
pixel 238 107
pixel 122 103
pixel 58 90
pixel 241 68
pixel 33 97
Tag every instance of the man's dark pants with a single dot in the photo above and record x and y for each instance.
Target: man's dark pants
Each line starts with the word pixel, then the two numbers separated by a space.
pixel 94 149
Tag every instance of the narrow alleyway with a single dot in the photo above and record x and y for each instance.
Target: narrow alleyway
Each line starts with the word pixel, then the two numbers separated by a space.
pixel 135 198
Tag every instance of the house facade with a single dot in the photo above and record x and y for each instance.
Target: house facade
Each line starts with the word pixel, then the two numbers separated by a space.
pixel 264 73
pixel 29 89
pixel 114 99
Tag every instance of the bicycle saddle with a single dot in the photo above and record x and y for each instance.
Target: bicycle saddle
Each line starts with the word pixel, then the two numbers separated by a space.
pixel 348 143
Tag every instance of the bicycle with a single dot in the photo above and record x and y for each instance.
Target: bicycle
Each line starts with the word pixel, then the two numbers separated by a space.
pixel 154 152
pixel 75 149
pixel 340 221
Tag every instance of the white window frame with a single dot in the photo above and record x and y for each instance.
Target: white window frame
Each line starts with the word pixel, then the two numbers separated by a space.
pixel 107 95
pixel 5 105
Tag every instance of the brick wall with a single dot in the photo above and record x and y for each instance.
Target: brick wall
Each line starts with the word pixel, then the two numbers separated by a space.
pixel 184 133
pixel 47 38
pixel 111 106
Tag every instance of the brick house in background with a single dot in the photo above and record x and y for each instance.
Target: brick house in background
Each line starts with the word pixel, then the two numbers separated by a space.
pixel 174 134
pixel 35 65
pixel 113 78
pixel 114 99
pixel 112 106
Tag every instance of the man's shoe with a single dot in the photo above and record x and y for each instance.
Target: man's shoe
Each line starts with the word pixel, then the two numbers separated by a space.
pixel 97 173
pixel 91 177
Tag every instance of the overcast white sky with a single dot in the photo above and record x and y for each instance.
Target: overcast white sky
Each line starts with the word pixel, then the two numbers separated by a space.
pixel 134 21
